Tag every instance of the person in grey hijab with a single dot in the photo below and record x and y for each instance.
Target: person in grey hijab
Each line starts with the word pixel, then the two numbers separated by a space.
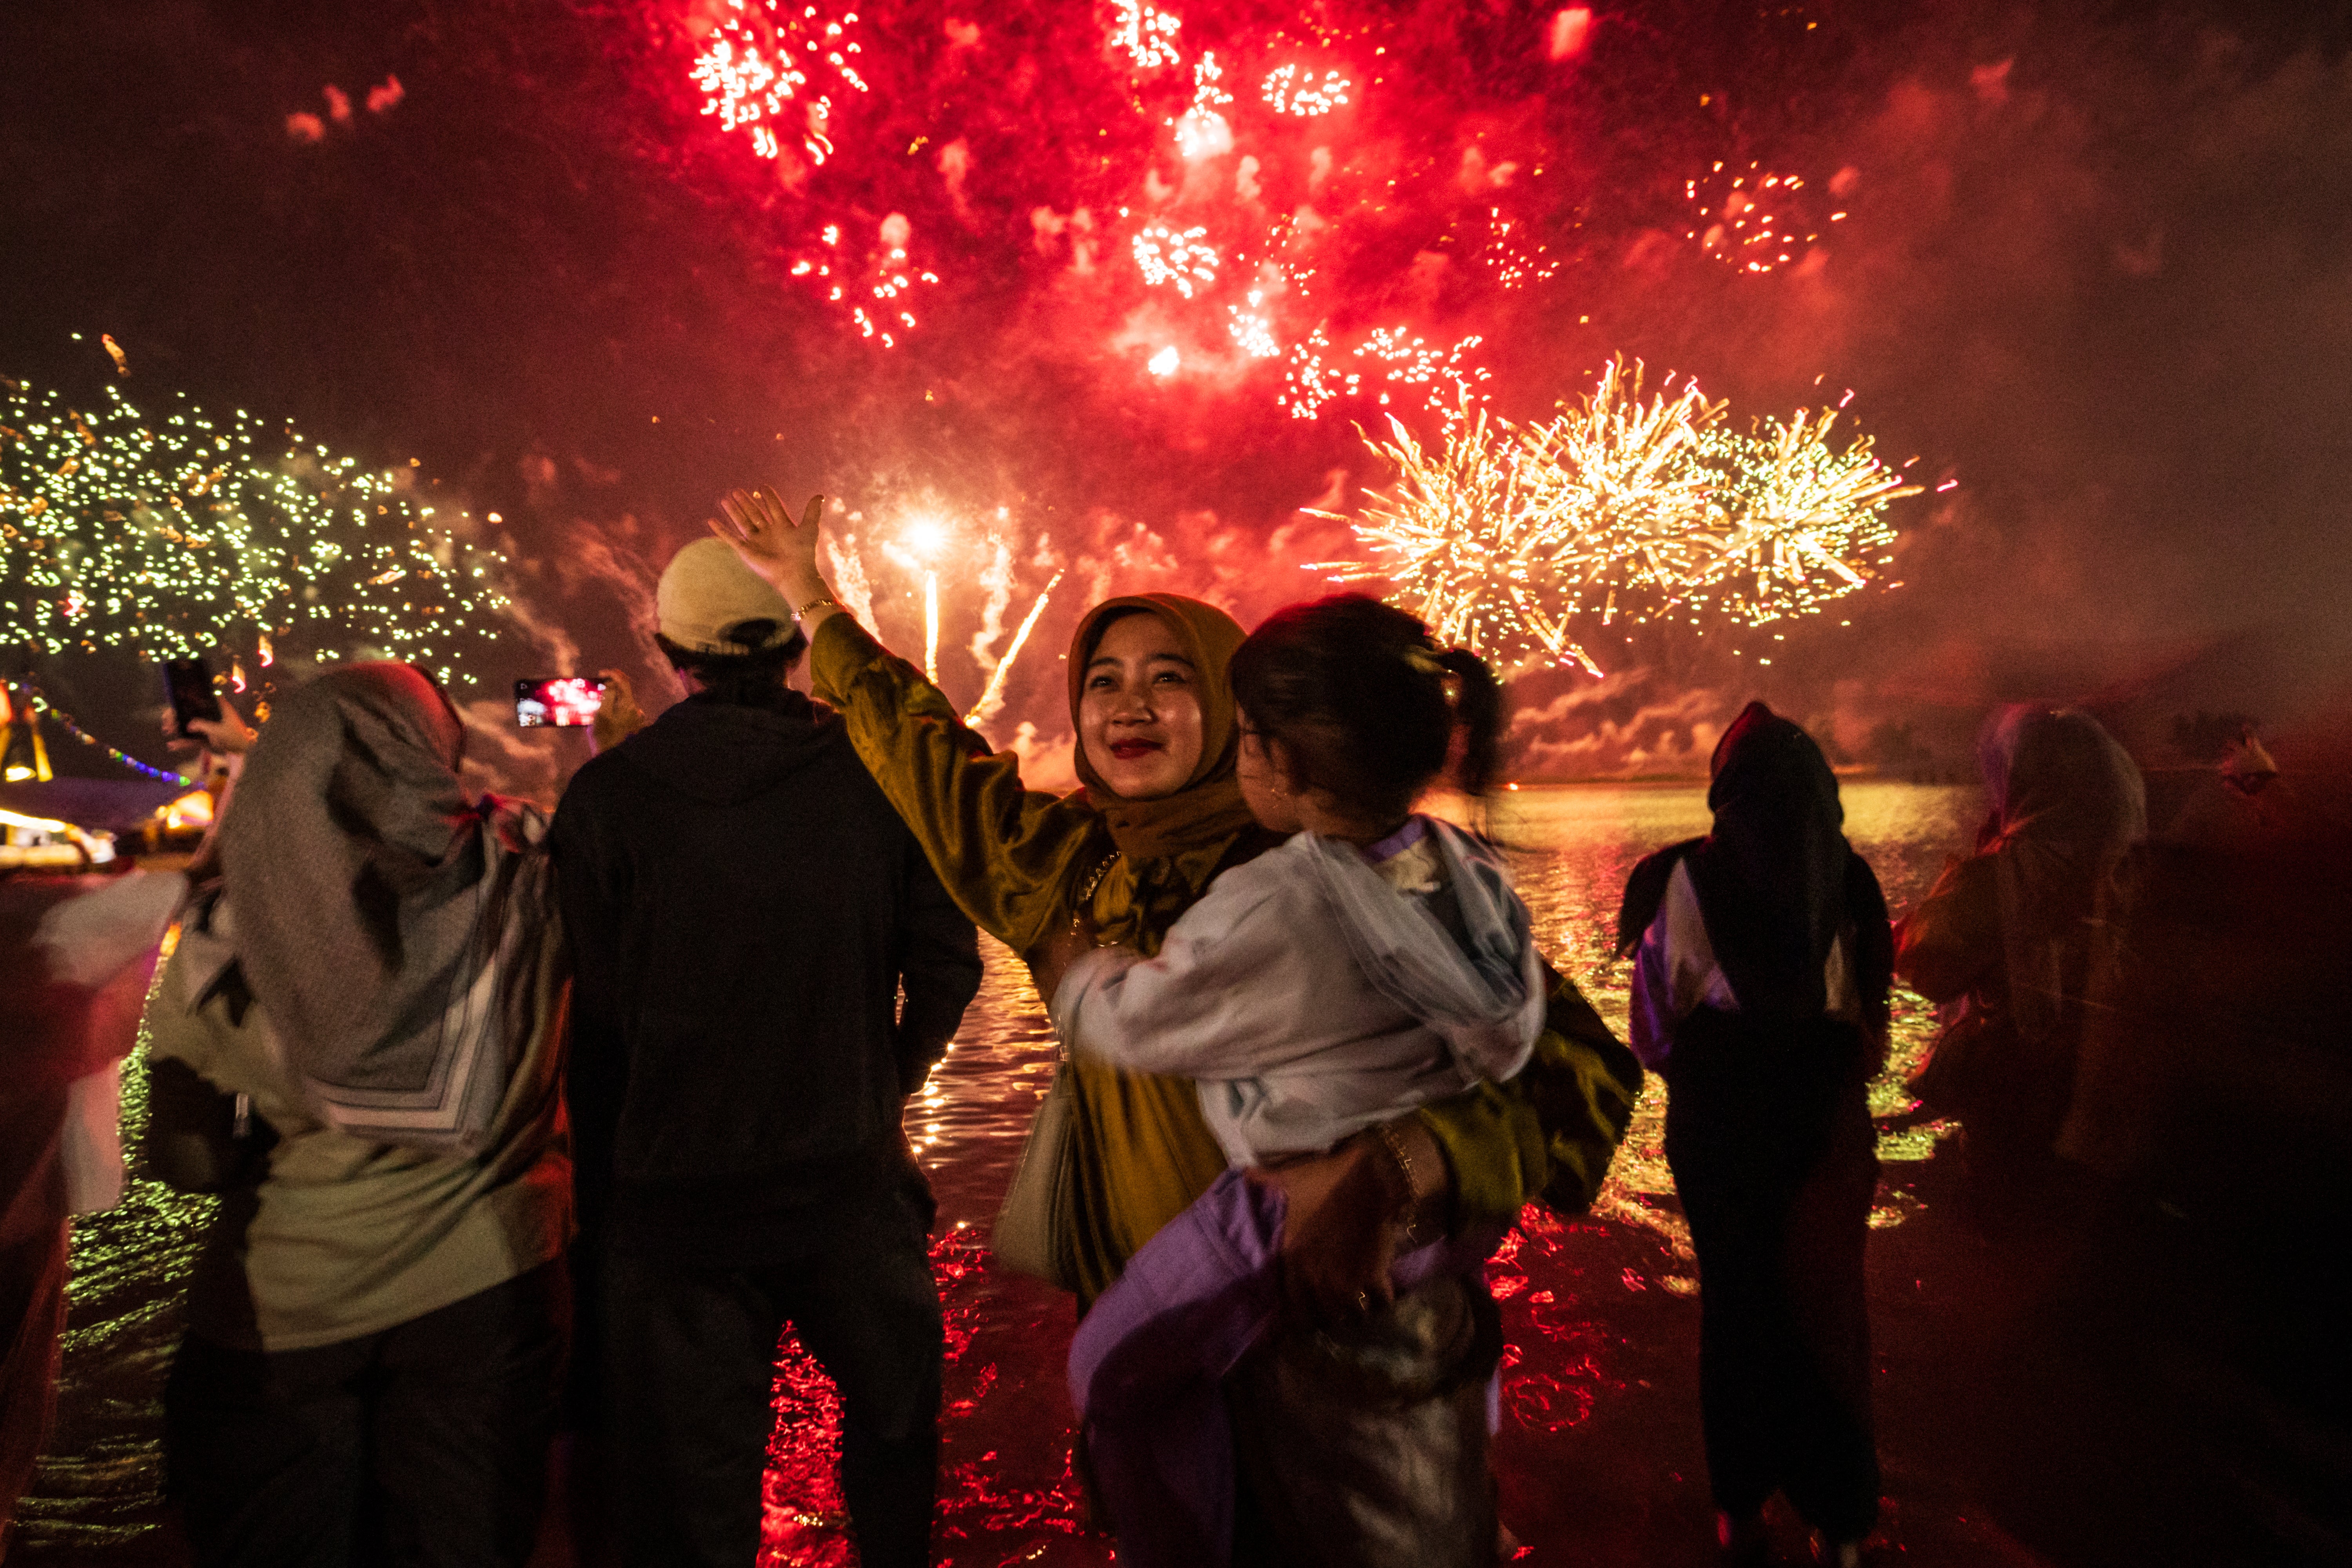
pixel 356 1043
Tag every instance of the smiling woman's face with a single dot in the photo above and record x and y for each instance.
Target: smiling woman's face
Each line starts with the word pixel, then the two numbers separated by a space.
pixel 1139 708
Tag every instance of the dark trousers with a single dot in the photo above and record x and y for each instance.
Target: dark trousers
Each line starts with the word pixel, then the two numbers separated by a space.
pixel 424 1444
pixel 1768 1135
pixel 689 1357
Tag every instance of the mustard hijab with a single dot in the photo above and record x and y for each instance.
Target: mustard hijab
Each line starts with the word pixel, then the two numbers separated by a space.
pixel 1206 811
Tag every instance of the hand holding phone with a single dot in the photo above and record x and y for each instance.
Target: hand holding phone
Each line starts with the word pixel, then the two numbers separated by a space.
pixel 563 701
pixel 190 686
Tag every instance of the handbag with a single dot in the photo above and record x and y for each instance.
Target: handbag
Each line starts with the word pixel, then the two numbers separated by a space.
pixel 1032 1224
pixel 1036 1222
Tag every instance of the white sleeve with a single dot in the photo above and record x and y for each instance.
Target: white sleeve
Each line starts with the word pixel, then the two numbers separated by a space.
pixel 1652 1019
pixel 1674 971
pixel 1201 1007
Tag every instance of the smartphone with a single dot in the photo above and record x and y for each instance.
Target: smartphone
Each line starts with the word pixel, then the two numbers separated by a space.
pixel 560 700
pixel 190 685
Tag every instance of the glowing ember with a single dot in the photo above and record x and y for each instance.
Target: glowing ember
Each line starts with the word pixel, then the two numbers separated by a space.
pixel 1400 362
pixel 172 536
pixel 1183 259
pixel 749 70
pixel 1750 218
pixel 1292 90
pixel 1252 331
pixel 1146 33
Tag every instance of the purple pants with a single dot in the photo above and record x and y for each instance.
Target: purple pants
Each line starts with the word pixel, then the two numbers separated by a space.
pixel 1147 1365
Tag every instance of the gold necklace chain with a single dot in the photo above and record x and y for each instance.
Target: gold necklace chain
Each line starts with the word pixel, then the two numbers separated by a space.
pixel 1094 880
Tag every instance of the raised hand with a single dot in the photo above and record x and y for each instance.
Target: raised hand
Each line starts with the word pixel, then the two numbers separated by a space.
pixel 771 543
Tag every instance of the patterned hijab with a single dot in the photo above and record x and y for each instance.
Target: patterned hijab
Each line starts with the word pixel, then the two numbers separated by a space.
pixel 351 856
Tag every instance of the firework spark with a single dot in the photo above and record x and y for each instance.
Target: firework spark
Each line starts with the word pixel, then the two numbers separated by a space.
pixel 172 536
pixel 1399 361
pixel 1509 539
pixel 751 69
pixel 1182 259
pixel 1803 524
pixel 1752 218
pixel 1614 483
pixel 1290 89
pixel 1465 541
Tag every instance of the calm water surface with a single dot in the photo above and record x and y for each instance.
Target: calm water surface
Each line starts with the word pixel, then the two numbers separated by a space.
pixel 1007 1494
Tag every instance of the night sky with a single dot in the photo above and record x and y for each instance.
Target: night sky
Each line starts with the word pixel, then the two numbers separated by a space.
pixel 2095 265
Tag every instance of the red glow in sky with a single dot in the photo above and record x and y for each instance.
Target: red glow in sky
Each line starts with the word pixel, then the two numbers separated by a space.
pixel 1217 197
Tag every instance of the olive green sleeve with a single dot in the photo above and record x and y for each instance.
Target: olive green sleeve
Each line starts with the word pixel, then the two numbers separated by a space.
pixel 1007 854
pixel 1551 1131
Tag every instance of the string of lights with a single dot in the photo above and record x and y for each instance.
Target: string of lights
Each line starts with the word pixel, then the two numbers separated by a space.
pixel 41 705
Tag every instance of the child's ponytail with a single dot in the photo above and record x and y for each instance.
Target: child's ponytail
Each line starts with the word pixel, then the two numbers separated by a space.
pixel 1477 720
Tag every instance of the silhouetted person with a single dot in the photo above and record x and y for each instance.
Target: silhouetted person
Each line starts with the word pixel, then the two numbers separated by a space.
pixel 2014 939
pixel 1759 991
pixel 743 906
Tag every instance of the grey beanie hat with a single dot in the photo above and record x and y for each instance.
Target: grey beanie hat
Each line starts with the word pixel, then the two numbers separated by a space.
pixel 707 592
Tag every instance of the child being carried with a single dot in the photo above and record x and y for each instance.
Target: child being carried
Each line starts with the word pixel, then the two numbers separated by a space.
pixel 1376 961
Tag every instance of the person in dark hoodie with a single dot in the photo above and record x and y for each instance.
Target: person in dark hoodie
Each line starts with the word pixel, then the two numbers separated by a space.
pixel 1762 960
pixel 743 908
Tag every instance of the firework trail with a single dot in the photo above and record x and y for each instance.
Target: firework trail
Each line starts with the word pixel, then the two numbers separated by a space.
pixel 847 574
pixel 992 697
pixel 996 577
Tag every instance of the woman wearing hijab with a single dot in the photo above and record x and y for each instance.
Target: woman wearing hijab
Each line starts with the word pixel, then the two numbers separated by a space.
pixel 1160 817
pixel 375 1324
pixel 2014 939
pixel 1763 966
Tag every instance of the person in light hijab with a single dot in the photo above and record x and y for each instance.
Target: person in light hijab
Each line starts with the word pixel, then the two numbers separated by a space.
pixel 2013 939
pixel 358 1043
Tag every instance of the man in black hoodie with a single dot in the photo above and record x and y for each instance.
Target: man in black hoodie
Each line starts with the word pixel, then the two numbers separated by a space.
pixel 744 907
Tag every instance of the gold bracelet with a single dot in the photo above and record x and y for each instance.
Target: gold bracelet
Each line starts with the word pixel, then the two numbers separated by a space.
pixel 825 604
pixel 1394 1145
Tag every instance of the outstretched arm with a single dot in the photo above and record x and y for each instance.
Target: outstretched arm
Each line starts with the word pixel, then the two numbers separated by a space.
pixel 1007 854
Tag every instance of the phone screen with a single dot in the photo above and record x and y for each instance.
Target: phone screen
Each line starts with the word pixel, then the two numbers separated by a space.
pixel 193 696
pixel 563 701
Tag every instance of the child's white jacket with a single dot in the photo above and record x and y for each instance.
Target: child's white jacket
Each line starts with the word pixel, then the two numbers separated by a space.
pixel 1313 995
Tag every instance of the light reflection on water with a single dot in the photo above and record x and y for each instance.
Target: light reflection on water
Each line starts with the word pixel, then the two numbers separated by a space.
pixel 1006 1491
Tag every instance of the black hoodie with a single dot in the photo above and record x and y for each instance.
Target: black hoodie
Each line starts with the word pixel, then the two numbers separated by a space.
pixel 743 906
